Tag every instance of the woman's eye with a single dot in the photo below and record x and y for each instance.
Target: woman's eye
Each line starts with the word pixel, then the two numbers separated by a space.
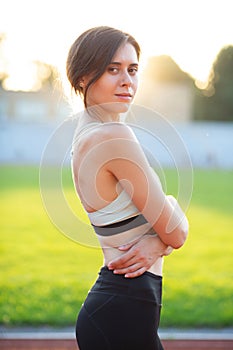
pixel 133 70
pixel 113 69
pixel 116 70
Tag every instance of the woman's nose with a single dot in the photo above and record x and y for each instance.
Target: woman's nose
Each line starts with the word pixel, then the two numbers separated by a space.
pixel 126 79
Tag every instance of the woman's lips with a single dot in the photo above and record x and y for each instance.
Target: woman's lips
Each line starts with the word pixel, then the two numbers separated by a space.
pixel 124 96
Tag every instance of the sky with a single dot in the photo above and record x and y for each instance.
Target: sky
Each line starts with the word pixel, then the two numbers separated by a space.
pixel 192 32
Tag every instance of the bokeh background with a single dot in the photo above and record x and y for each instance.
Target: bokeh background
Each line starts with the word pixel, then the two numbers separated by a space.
pixel 187 77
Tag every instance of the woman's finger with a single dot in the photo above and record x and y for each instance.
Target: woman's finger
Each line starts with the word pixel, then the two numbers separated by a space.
pixel 130 269
pixel 122 261
pixel 136 273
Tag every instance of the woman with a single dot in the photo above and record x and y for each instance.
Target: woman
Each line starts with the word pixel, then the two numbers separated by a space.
pixel 122 196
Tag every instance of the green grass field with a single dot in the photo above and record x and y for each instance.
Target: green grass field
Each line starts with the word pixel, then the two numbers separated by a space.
pixel 45 276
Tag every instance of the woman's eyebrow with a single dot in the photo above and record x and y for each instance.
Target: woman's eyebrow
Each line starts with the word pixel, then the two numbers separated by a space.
pixel 119 64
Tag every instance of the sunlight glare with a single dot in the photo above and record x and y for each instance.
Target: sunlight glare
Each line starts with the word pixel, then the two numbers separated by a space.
pixel 22 76
pixel 191 32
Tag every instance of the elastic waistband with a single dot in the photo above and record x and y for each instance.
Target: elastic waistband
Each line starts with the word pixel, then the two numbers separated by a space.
pixel 106 272
pixel 147 286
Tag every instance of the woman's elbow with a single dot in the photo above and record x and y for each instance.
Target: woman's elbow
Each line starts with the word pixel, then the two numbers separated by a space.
pixel 177 236
pixel 180 238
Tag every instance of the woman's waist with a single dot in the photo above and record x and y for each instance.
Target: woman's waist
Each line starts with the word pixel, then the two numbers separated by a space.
pixel 114 253
pixel 110 246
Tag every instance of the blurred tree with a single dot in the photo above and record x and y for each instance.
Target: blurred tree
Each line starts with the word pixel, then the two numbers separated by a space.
pixel 3 76
pixel 216 101
pixel 47 76
pixel 3 73
pixel 164 69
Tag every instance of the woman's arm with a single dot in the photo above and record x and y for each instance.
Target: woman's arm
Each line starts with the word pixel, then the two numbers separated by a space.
pixel 128 164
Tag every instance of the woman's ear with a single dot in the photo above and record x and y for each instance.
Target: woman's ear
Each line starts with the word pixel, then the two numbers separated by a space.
pixel 83 82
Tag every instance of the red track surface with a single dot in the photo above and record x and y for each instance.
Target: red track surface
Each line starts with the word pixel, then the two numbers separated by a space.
pixel 39 344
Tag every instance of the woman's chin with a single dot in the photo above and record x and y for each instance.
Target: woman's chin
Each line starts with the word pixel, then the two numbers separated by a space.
pixel 117 107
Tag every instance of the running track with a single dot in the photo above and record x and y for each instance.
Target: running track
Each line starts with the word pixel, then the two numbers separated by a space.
pixel 69 344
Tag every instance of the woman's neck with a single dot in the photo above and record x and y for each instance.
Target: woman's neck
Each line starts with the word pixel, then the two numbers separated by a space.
pixel 102 114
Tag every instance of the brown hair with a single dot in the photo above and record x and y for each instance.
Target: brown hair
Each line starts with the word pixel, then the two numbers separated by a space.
pixel 92 52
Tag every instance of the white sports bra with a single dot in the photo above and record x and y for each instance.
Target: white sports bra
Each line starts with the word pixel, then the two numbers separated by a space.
pixel 120 209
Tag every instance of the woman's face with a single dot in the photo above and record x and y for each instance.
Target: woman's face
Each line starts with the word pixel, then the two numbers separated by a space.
pixel 118 85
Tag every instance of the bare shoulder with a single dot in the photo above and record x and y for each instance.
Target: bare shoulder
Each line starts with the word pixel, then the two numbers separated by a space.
pixel 116 130
pixel 106 132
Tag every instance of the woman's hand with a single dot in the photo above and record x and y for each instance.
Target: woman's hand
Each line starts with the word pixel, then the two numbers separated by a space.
pixel 139 256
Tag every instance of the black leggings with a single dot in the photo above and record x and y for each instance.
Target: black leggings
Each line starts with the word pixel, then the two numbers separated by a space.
pixel 121 313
